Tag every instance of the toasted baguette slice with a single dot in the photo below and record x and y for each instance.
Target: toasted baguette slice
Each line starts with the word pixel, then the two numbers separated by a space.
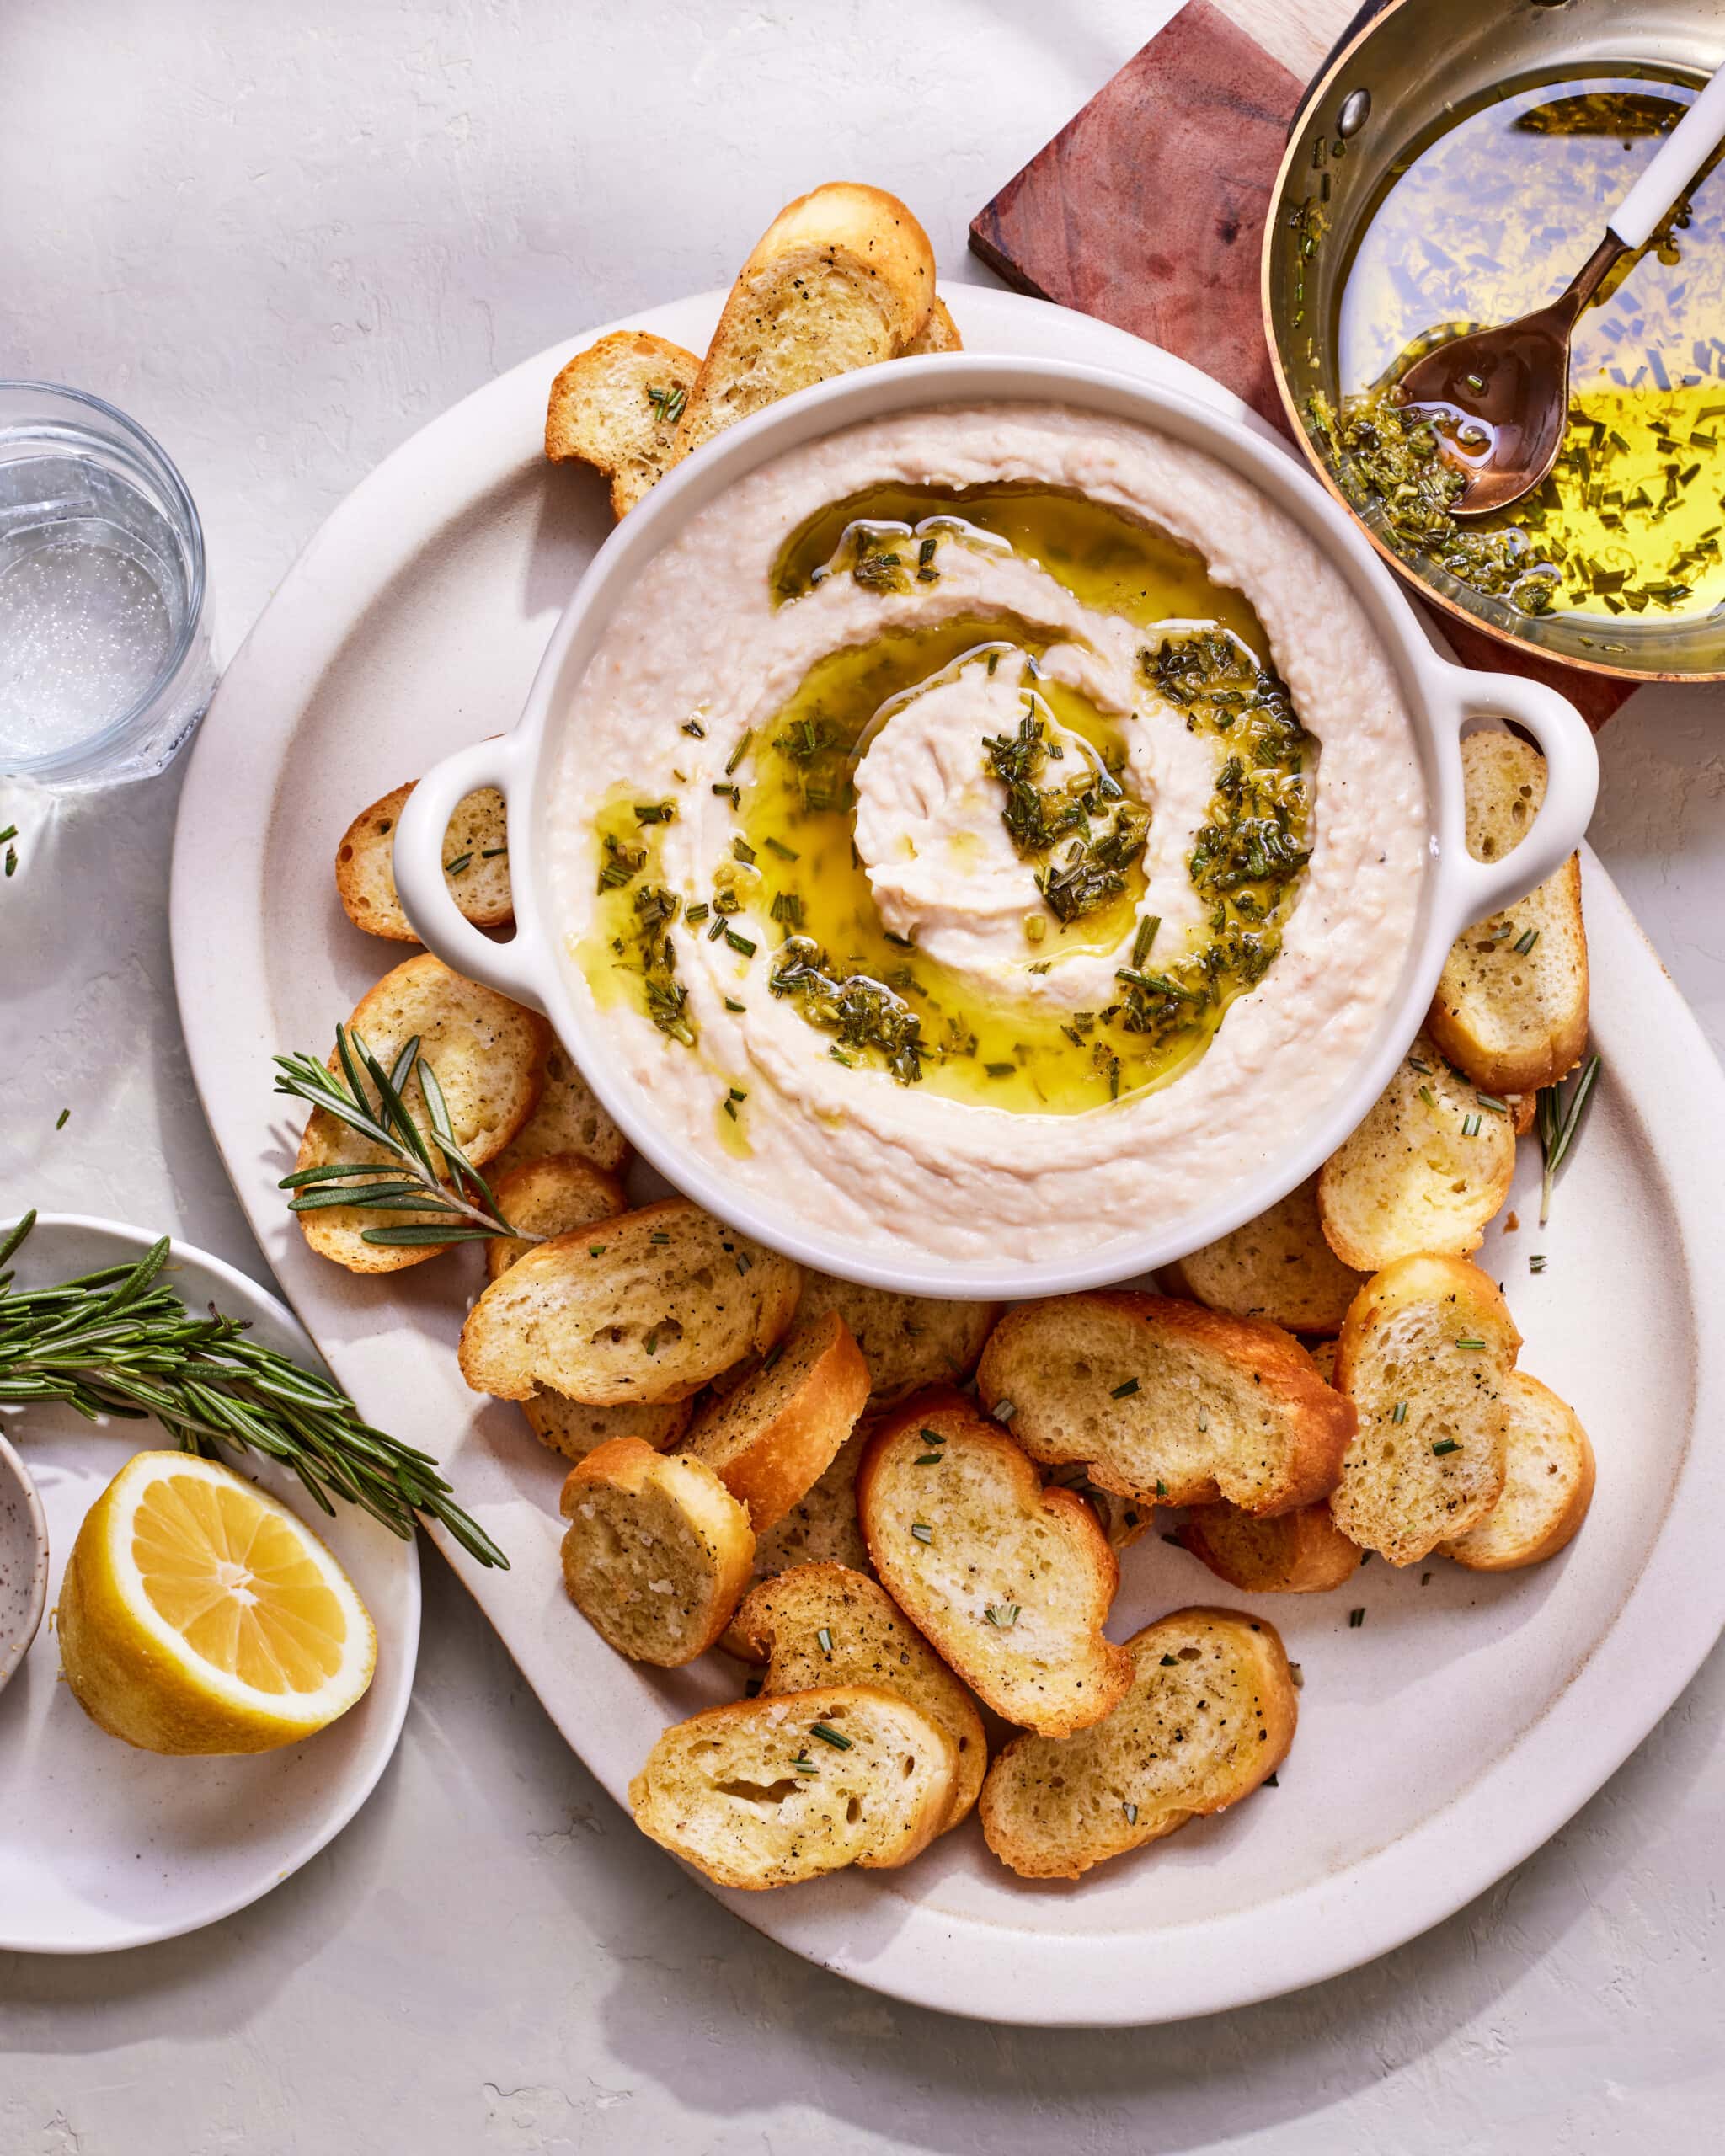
pixel 566 1119
pixel 755 1796
pixel 824 1624
pixel 571 1428
pixel 475 864
pixel 1511 1006
pixel 1208 1717
pixel 1167 1402
pixel 773 1438
pixel 1428 1461
pixel 1011 1582
pixel 553 1196
pixel 1425 1171
pixel 663 1300
pixel 909 1341
pixel 820 1528
pixel 489 1055
pixel 549 1197
pixel 1548 1484
pixel 1295 1553
pixel 1277 1266
pixel 1323 1359
pixel 658 1553
pixel 616 405
pixel 842 277
pixel 939 333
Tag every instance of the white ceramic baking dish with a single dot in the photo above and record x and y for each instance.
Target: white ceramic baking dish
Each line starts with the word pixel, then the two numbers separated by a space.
pixel 1444 699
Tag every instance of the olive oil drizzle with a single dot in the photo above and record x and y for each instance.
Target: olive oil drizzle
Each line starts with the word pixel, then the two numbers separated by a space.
pixel 1632 520
pixel 792 872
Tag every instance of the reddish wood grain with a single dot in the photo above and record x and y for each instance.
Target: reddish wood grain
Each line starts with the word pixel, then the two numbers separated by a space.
pixel 1147 210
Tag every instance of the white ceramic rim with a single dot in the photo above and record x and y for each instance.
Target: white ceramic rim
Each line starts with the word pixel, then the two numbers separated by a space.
pixel 1442 697
pixel 12 1651
pixel 393 1686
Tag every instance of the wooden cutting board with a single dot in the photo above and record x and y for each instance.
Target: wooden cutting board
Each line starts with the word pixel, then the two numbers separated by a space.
pixel 1148 209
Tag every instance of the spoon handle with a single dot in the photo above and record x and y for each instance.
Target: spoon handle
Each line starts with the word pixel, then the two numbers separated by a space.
pixel 1686 149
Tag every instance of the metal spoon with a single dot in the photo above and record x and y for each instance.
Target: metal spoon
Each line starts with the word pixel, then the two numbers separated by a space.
pixel 1508 388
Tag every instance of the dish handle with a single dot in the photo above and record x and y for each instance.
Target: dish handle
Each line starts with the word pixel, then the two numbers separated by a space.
pixel 1562 734
pixel 510 966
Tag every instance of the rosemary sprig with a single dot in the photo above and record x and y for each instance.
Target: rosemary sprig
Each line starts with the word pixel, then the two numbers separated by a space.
pixel 369 1100
pixel 1558 1120
pixel 119 1342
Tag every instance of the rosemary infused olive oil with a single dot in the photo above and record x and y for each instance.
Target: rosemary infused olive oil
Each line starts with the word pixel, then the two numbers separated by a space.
pixel 1059 780
pixel 1483 222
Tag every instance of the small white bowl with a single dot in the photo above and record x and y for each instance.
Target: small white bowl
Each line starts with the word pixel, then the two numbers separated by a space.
pixel 1442 697
pixel 24 1561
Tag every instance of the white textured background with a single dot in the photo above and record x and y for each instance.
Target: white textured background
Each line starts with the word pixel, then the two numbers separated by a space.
pixel 283 235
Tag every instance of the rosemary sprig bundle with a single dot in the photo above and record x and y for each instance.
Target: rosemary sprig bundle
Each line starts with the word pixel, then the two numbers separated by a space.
pixel 1557 1118
pixel 119 1342
pixel 368 1099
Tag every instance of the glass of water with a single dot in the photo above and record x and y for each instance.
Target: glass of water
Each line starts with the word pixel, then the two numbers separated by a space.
pixel 105 666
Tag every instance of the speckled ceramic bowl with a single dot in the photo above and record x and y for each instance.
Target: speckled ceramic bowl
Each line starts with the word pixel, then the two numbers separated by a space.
pixel 24 1561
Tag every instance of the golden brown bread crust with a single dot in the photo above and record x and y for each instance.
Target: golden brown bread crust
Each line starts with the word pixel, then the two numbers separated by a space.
pixel 1208 1717
pixel 551 1196
pixel 1547 1488
pixel 1425 1356
pixel 665 1298
pixel 657 1554
pixel 1041 1550
pixel 1150 1343
pixel 1302 1552
pixel 826 1623
pixel 739 1792
pixel 771 1440
pixel 616 405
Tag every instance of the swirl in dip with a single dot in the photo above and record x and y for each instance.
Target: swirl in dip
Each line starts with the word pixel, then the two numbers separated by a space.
pixel 992 828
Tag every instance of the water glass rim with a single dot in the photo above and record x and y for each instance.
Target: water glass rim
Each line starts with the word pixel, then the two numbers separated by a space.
pixel 164 469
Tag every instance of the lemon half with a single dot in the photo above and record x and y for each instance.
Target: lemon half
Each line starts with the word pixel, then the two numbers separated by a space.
pixel 198 1615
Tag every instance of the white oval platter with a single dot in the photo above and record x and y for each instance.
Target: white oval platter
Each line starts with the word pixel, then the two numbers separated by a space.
pixel 102 1846
pixel 1442 1738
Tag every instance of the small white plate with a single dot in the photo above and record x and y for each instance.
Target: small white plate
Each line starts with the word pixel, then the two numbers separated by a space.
pixel 1441 1739
pixel 102 1846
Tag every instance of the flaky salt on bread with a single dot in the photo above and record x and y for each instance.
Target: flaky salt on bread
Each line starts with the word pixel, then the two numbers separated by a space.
pixel 1426 1357
pixel 1208 1717
pixel 1167 1402
pixel 488 1057
pixel 1277 1266
pixel 567 1119
pixel 616 405
pixel 1426 1170
pixel 1302 1552
pixel 1548 1484
pixel 826 1625
pixel 549 1197
pixel 475 864
pixel 774 1790
pixel 1512 1002
pixel 909 1341
pixel 647 1308
pixel 771 1440
pixel 657 1554
pixel 842 278
pixel 1010 1582
pixel 553 1196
